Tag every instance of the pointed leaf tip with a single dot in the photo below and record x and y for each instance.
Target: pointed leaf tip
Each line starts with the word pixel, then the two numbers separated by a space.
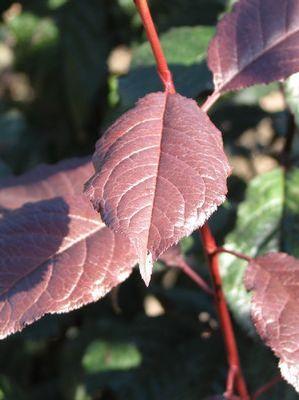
pixel 146 267
pixel 160 172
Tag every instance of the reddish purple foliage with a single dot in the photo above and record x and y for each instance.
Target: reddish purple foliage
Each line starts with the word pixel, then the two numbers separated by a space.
pixel 56 253
pixel 173 257
pixel 45 182
pixel 160 173
pixel 274 280
pixel 256 43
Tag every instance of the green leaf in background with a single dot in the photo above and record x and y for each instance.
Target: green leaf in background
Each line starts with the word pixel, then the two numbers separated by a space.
pixel 268 220
pixel 168 346
pixel 12 128
pixel 229 5
pixel 16 143
pixel 186 244
pixel 53 4
pixel 30 30
pixel 186 12
pixel 185 49
pixel 9 390
pixel 128 6
pixel 195 40
pixel 85 46
pixel 4 169
pixel 252 95
pixel 292 95
pixel 103 355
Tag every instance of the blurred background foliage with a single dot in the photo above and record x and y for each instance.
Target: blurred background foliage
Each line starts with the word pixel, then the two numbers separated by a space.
pixel 67 69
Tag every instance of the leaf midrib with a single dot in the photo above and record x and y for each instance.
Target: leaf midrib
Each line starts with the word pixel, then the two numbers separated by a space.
pixel 158 168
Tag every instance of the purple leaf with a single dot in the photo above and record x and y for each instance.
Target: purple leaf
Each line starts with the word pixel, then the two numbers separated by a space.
pixel 173 257
pixel 256 43
pixel 56 253
pixel 274 280
pixel 160 173
pixel 45 182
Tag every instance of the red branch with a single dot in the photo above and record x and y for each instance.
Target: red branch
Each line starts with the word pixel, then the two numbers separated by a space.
pixel 235 377
pixel 153 38
pixel 233 253
pixel 195 277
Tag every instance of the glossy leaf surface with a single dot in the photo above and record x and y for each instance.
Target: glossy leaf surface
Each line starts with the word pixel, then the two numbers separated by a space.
pixel 274 278
pixel 56 253
pixel 256 43
pixel 160 173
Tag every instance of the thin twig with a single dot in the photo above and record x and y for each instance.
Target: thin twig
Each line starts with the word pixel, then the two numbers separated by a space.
pixel 195 277
pixel 210 101
pixel 233 253
pixel 232 375
pixel 266 387
pixel 235 371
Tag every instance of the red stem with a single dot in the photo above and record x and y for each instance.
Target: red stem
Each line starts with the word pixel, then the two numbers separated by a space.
pixel 195 278
pixel 210 101
pixel 153 38
pixel 235 373
pixel 233 253
pixel 266 387
pixel 224 316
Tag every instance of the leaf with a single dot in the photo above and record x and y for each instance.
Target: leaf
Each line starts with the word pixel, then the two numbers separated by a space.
pixel 256 43
pixel 4 169
pixel 187 12
pixel 168 345
pixel 292 95
pixel 45 182
pixel 103 355
pixel 173 257
pixel 9 390
pixel 160 173
pixel 185 49
pixel 56 253
pixel 267 220
pixel 85 42
pixel 274 280
pixel 13 138
pixel 184 301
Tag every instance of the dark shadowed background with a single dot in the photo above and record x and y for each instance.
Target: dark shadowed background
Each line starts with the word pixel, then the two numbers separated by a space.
pixel 67 69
